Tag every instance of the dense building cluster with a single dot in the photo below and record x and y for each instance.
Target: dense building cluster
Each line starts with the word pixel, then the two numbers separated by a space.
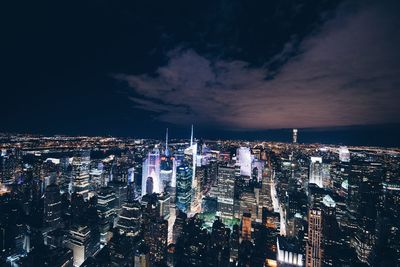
pixel 97 201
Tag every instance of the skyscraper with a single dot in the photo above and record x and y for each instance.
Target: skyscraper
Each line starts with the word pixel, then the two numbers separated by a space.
pixel 151 173
pixel 129 219
pixel 314 243
pixel 183 187
pixel 330 231
pixel 80 174
pixel 190 159
pixel 243 156
pixel 315 174
pixel 166 171
pixel 52 206
pixel 106 203
pixel 294 137
pixel 82 244
pixel 226 192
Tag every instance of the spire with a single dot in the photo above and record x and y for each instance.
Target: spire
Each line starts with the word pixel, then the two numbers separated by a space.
pixel 191 137
pixel 166 144
pixel 166 138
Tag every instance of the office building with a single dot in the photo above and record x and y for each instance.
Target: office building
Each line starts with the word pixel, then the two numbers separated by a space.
pixel 183 188
pixel 314 251
pixel 315 174
pixel 226 192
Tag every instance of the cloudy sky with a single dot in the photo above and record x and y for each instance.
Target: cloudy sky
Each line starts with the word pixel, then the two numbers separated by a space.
pixel 134 68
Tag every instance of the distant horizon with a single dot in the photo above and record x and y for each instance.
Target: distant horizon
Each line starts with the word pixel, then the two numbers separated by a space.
pixel 367 135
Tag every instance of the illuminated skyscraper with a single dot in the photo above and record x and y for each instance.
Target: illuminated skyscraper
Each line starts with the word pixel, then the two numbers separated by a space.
pixel 80 174
pixel 190 159
pixel 183 188
pixel 82 244
pixel 243 156
pixel 166 171
pixel 315 175
pixel 52 206
pixel 314 243
pixel 167 167
pixel 151 173
pixel 226 192
pixel 330 231
pixel 106 203
pixel 129 219
pixel 294 136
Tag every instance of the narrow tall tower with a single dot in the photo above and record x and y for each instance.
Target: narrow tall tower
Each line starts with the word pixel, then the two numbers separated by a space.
pixel 166 144
pixel 191 137
pixel 294 136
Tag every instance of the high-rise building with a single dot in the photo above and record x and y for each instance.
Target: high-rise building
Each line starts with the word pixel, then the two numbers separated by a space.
pixel 155 227
pixel 151 173
pixel 167 172
pixel 52 207
pixel 288 253
pixel 7 167
pixel 246 226
pixel 218 254
pixel 106 203
pixel 80 174
pixel 179 223
pixel 190 159
pixel 243 155
pixel 183 187
pixel 97 178
pixel 365 185
pixel 81 243
pixel 387 239
pixel 330 231
pixel 191 247
pixel 314 250
pixel 315 174
pixel 129 219
pixel 164 202
pixel 156 236
pixel 294 137
pixel 226 192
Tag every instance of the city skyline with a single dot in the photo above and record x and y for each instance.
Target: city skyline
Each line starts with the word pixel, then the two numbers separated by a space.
pixel 100 201
pixel 213 133
pixel 379 136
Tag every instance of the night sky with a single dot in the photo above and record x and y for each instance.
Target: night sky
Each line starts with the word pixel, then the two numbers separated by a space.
pixel 235 69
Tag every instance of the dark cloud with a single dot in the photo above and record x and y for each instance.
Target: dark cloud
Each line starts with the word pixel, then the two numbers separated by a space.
pixel 222 64
pixel 346 72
